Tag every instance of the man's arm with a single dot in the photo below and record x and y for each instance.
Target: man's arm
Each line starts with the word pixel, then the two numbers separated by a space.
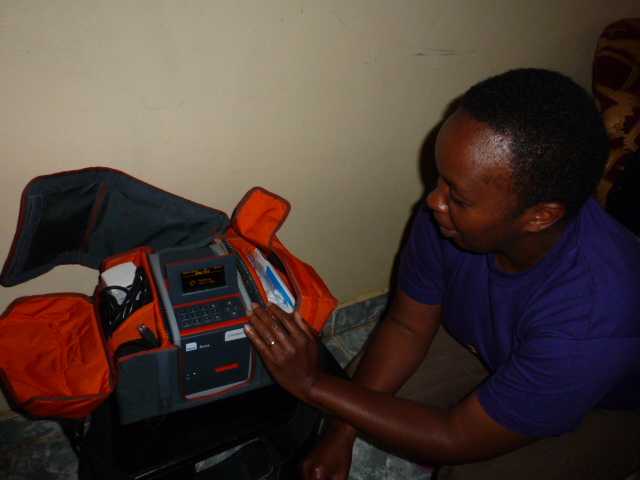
pixel 399 344
pixel 464 433
pixel 396 349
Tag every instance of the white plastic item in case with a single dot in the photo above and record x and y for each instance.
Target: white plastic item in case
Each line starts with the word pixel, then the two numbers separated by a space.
pixel 120 275
pixel 276 290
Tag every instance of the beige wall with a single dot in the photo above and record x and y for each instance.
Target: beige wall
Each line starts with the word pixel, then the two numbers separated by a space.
pixel 325 102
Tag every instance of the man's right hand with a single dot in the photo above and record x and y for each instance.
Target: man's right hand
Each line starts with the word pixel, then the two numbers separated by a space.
pixel 331 457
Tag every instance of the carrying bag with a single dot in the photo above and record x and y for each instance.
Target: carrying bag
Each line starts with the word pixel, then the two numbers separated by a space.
pixel 57 361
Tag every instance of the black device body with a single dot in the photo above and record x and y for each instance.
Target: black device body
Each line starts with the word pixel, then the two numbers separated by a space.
pixel 274 430
pixel 206 303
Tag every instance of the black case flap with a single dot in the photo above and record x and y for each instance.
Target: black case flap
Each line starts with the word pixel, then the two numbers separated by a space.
pixel 84 216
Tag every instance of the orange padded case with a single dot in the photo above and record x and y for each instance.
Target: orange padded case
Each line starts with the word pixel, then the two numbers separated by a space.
pixel 54 359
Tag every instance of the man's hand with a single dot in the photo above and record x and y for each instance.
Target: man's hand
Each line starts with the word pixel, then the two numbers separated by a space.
pixel 288 347
pixel 331 457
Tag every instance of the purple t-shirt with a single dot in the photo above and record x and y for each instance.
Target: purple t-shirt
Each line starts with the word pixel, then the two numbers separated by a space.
pixel 559 339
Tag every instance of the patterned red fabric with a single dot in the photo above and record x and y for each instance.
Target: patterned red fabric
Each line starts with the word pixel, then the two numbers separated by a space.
pixel 616 87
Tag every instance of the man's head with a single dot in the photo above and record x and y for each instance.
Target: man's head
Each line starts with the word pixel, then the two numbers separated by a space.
pixel 524 150
pixel 558 141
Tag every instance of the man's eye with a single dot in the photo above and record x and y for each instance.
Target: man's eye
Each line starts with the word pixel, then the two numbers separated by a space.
pixel 457 201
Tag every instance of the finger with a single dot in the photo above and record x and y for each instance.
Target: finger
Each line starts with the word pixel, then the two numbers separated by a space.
pixel 259 312
pixel 271 350
pixel 298 324
pixel 258 343
pixel 304 326
pixel 273 334
pixel 300 329
pixel 275 322
pixel 261 323
pixel 310 471
pixel 287 322
pixel 270 320
pixel 318 474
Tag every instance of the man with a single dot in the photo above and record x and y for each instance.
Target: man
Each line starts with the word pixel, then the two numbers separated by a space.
pixel 518 263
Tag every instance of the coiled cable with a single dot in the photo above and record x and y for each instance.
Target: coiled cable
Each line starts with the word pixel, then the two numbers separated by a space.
pixel 136 295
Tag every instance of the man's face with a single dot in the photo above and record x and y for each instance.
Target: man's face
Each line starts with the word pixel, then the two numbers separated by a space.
pixel 473 201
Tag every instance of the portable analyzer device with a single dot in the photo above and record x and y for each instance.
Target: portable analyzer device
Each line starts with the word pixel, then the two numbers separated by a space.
pixel 206 305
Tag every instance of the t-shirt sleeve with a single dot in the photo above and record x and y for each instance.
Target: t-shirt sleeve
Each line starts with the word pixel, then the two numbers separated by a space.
pixel 552 380
pixel 421 269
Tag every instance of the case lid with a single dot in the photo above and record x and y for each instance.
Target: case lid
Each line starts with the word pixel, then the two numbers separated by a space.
pixel 84 216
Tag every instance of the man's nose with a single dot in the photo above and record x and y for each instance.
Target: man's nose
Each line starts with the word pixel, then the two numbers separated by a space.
pixel 437 200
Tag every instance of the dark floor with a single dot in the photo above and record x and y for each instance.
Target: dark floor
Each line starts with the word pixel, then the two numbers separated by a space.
pixel 38 450
pixel 34 450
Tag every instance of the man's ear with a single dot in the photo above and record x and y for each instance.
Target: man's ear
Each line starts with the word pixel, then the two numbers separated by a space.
pixel 542 216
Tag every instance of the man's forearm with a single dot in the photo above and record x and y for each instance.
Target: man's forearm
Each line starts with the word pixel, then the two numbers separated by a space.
pixel 393 353
pixel 421 433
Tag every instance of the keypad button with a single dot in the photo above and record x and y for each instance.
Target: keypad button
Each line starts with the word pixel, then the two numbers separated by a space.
pixel 208 313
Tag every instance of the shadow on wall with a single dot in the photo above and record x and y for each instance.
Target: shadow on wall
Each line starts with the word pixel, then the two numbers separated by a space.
pixel 428 176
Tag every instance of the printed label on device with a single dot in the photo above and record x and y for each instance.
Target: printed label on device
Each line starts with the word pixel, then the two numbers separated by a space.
pixel 236 334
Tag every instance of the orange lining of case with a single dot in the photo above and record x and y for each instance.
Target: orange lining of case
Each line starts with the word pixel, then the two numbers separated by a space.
pixel 67 382
pixel 256 219
pixel 150 314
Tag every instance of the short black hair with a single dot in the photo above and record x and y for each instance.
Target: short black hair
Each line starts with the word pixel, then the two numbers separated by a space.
pixel 559 144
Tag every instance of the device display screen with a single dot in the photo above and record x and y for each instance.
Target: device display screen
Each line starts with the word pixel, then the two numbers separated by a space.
pixel 203 279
